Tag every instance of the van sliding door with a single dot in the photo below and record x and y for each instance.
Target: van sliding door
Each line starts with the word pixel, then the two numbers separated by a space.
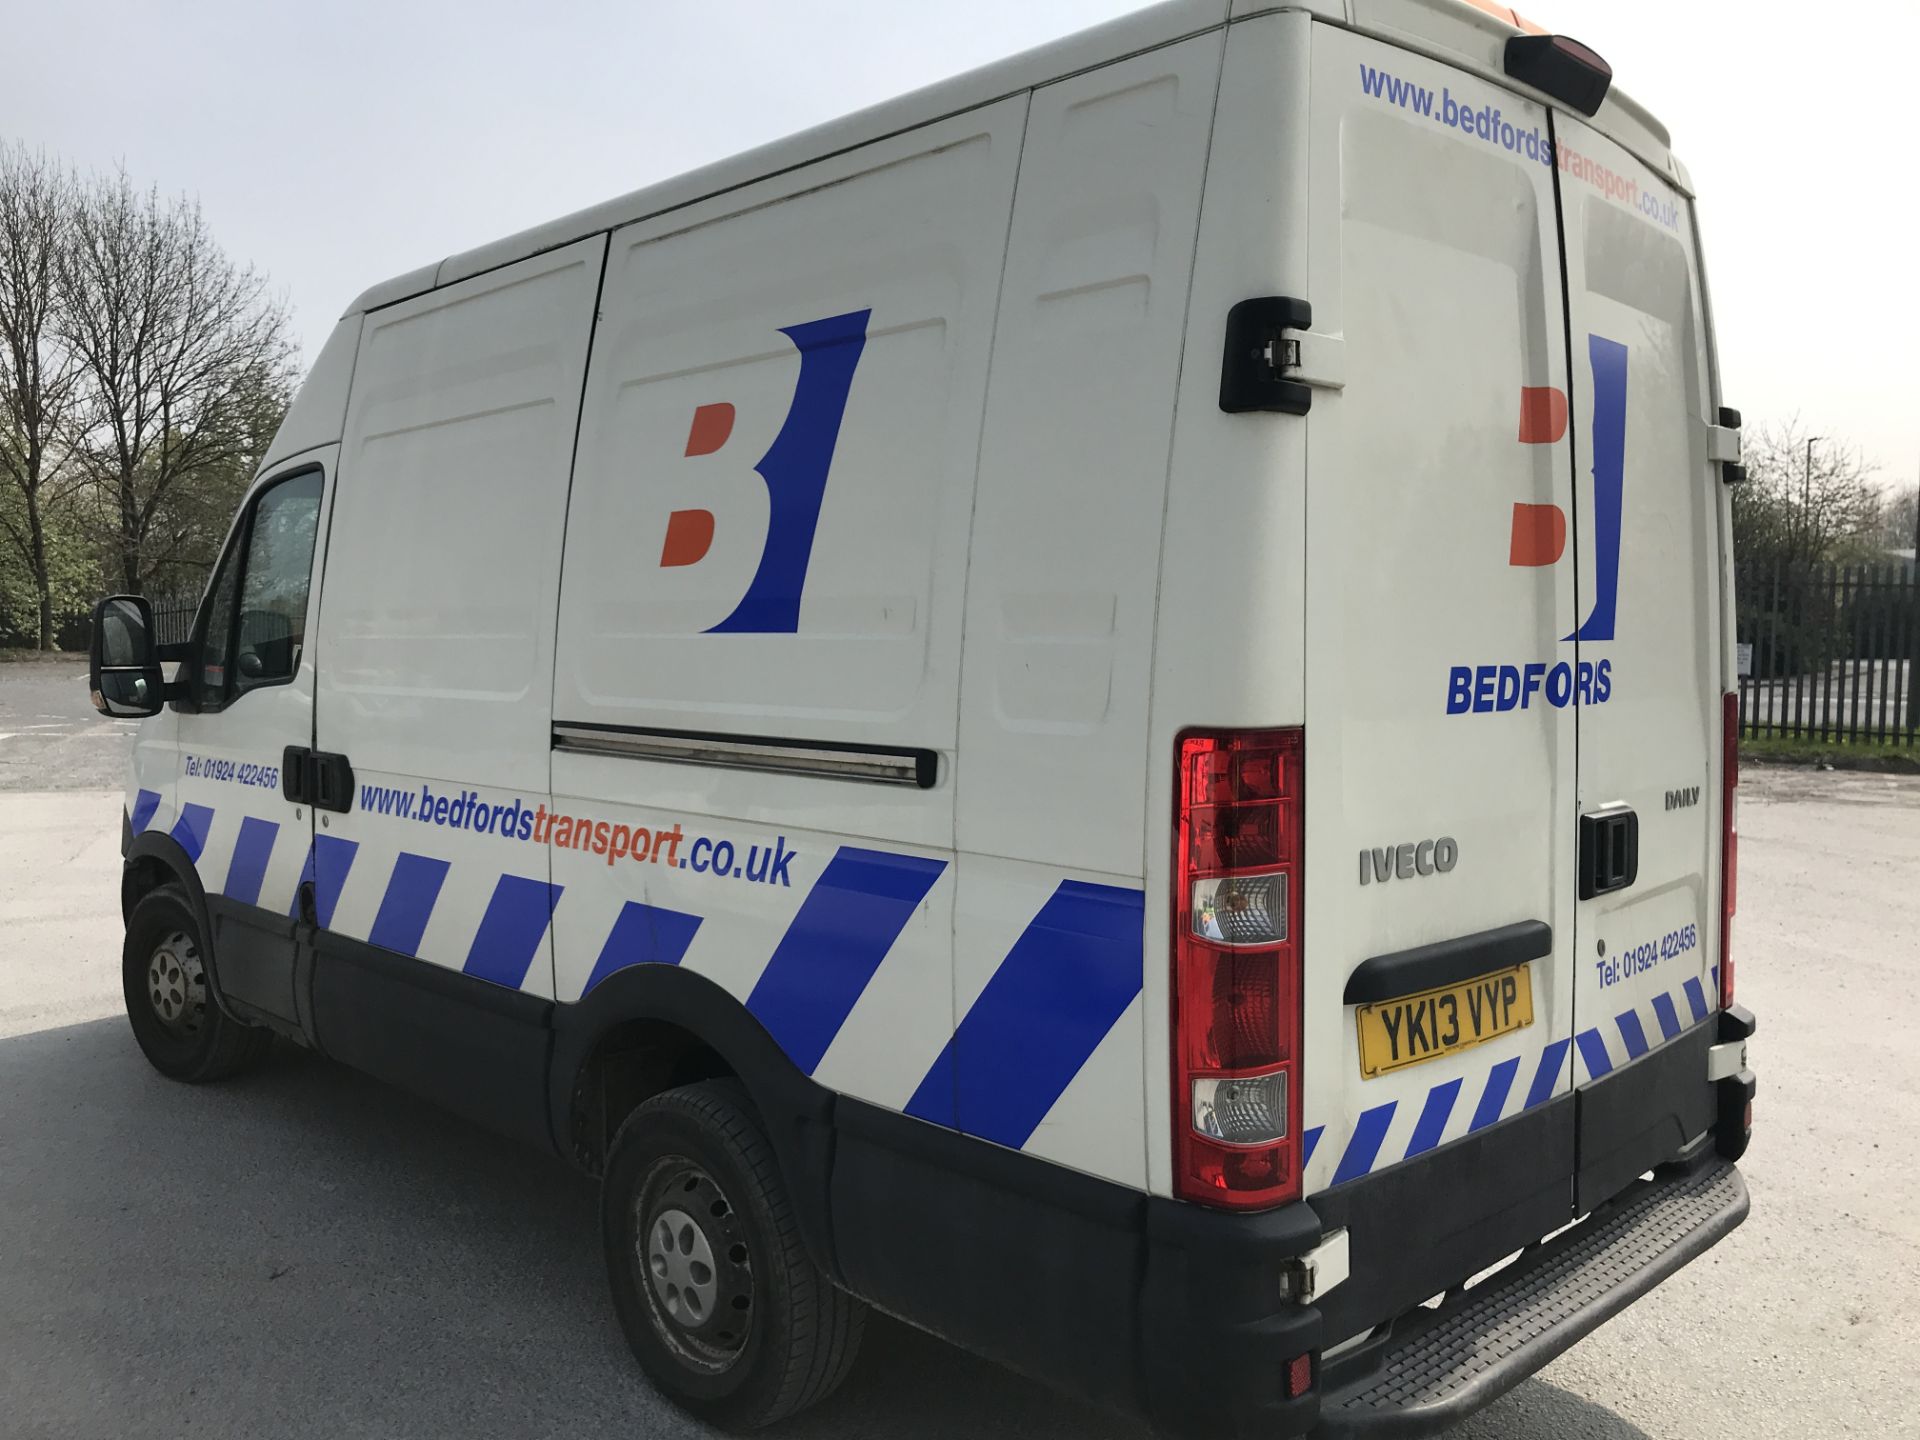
pixel 429 890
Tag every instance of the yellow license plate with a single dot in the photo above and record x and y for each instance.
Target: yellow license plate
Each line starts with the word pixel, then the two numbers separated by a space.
pixel 1397 1033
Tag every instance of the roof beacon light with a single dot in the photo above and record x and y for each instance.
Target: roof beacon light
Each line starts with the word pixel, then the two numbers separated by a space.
pixel 1565 69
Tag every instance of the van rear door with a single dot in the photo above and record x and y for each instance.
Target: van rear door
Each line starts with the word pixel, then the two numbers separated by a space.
pixel 1441 676
pixel 1648 528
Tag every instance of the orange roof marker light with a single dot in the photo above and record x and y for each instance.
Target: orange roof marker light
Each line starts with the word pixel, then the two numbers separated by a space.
pixel 1509 16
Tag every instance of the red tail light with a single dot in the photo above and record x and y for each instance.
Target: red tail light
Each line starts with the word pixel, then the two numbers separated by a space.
pixel 1236 968
pixel 1729 837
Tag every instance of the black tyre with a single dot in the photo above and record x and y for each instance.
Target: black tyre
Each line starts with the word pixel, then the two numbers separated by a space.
pixel 164 976
pixel 724 1309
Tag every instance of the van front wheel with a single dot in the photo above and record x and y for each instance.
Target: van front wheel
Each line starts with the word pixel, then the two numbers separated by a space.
pixel 719 1300
pixel 163 973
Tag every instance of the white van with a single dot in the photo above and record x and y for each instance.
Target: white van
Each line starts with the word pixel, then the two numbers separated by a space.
pixel 1086 707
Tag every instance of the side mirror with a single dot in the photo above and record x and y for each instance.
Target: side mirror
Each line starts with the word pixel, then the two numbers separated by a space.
pixel 123 663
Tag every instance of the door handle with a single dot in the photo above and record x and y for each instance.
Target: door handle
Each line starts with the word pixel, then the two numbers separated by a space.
pixel 296 774
pixel 332 782
pixel 1609 850
pixel 318 778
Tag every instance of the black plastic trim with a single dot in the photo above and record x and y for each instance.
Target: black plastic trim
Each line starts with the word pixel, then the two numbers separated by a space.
pixel 1447 962
pixel 1642 1115
pixel 478 1049
pixel 1570 72
pixel 1140 1304
pixel 1449 1214
pixel 1737 1023
pixel 260 980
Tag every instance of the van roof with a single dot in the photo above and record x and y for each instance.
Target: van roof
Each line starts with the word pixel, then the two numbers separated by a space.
pixel 1468 33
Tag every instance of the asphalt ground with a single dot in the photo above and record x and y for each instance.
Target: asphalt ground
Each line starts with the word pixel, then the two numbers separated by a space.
pixel 306 1253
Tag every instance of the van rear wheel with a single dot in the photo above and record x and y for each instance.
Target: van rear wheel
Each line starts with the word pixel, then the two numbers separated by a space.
pixel 163 973
pixel 719 1300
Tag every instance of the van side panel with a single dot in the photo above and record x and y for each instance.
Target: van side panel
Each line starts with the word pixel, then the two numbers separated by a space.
pixel 436 628
pixel 767 539
pixel 1060 608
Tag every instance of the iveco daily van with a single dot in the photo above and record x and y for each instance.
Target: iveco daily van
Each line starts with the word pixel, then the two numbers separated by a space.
pixel 1055 708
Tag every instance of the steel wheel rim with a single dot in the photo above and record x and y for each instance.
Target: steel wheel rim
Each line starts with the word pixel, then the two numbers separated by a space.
pixel 694 1265
pixel 176 987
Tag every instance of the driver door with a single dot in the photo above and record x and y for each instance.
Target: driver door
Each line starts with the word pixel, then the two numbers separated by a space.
pixel 250 686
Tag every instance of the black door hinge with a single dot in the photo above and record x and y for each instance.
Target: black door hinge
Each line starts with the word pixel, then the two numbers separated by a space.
pixel 1258 350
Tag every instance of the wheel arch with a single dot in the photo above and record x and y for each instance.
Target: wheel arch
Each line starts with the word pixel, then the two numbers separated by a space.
pixel 153 860
pixel 652 1027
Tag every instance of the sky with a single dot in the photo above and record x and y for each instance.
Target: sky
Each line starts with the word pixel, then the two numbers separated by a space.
pixel 333 145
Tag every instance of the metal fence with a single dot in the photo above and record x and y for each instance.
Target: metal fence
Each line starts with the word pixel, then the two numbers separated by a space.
pixel 173 621
pixel 1829 652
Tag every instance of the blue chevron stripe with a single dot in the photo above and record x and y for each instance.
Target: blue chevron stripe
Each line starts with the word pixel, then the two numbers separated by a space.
pixel 1632 1033
pixel 643 935
pixel 1668 1017
pixel 1069 977
pixel 413 889
pixel 1493 1099
pixel 191 829
pixel 512 930
pixel 1546 1078
pixel 1363 1147
pixel 841 933
pixel 145 802
pixel 1593 1051
pixel 1696 998
pixel 251 852
pixel 1432 1123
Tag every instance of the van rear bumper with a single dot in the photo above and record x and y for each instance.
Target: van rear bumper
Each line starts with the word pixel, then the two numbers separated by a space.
pixel 1434 1367
pixel 1182 1314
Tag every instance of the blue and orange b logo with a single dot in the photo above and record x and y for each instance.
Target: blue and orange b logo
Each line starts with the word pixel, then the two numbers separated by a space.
pixel 1539 535
pixel 794 468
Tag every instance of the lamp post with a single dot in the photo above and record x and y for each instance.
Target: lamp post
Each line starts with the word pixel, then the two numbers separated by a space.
pixel 1806 503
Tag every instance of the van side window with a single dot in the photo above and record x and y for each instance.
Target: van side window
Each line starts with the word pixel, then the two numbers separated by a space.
pixel 217 632
pixel 273 586
pixel 258 641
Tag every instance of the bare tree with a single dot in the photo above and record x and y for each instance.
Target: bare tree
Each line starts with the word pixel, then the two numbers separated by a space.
pixel 187 365
pixel 1808 498
pixel 1900 526
pixel 38 374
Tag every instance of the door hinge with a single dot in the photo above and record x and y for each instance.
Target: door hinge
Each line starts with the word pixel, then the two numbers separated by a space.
pixel 1307 1277
pixel 1272 361
pixel 1723 446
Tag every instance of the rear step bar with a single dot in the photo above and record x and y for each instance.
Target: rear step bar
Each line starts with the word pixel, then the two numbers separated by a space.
pixel 1439 1365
